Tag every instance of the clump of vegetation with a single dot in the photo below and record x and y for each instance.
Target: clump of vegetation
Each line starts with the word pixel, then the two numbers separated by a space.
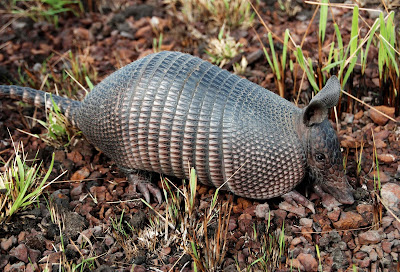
pixel 222 49
pixel 21 184
pixel 223 16
pixel 46 10
pixel 273 249
pixel 290 7
pixel 233 13
pixel 74 70
pixel 278 66
pixel 80 69
pixel 342 57
pixel 59 131
pixel 157 43
pixel 201 234
pixel 240 68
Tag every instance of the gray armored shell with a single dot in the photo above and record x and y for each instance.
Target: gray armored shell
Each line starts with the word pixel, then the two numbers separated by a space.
pixel 171 111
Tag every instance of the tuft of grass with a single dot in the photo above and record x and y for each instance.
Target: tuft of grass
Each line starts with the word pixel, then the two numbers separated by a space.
pixel 76 68
pixel 342 56
pixel 200 234
pixel 124 234
pixel 386 49
pixel 233 13
pixel 354 49
pixel 21 184
pixel 278 68
pixel 370 37
pixel 59 131
pixel 290 7
pixel 118 226
pixel 46 10
pixel 222 49
pixel 273 248
pixel 157 43
pixel 80 68
pixel 306 66
pixel 240 68
pixel 207 238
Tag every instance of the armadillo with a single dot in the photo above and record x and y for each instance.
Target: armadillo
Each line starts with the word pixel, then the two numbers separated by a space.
pixel 170 111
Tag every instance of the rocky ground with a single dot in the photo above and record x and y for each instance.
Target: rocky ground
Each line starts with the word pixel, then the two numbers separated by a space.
pixel 91 219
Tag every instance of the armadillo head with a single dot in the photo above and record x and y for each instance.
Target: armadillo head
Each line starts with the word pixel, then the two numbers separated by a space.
pixel 324 158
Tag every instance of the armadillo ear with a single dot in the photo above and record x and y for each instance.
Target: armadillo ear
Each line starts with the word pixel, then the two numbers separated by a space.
pixel 319 106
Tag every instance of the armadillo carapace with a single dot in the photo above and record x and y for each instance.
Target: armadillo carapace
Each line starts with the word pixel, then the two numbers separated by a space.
pixel 169 110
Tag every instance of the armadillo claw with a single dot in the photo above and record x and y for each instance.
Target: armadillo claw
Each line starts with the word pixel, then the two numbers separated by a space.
pixel 294 198
pixel 145 187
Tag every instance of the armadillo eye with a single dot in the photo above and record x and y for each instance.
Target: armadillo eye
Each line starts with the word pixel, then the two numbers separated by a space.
pixel 320 157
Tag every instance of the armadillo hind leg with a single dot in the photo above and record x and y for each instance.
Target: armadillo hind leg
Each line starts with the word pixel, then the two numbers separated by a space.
pixel 295 198
pixel 142 182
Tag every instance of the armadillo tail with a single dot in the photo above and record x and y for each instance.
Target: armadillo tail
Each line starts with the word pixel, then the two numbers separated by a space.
pixel 41 99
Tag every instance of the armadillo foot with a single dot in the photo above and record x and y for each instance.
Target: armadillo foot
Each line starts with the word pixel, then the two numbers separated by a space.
pixel 295 198
pixel 145 187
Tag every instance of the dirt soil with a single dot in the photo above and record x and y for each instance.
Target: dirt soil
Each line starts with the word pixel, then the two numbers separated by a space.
pixel 104 224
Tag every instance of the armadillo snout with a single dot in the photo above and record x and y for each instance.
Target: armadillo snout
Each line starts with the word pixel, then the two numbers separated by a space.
pixel 339 189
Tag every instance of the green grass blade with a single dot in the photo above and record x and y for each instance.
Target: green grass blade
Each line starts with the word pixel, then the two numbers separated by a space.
pixel 215 198
pixel 370 38
pixel 310 66
pixel 389 41
pixel 349 70
pixel 89 83
pixel 274 59
pixel 381 51
pixel 303 65
pixel 194 250
pixel 322 20
pixel 268 60
pixel 331 65
pixel 48 171
pixel 344 62
pixel 54 104
pixel 390 29
pixel 389 52
pixel 354 31
pixel 39 188
pixel 284 50
pixel 300 56
pixel 21 169
pixel 221 33
pixel 340 41
pixel 330 57
pixel 382 25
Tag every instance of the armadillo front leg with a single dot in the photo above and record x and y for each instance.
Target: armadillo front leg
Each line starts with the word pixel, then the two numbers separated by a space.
pixel 141 182
pixel 294 198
